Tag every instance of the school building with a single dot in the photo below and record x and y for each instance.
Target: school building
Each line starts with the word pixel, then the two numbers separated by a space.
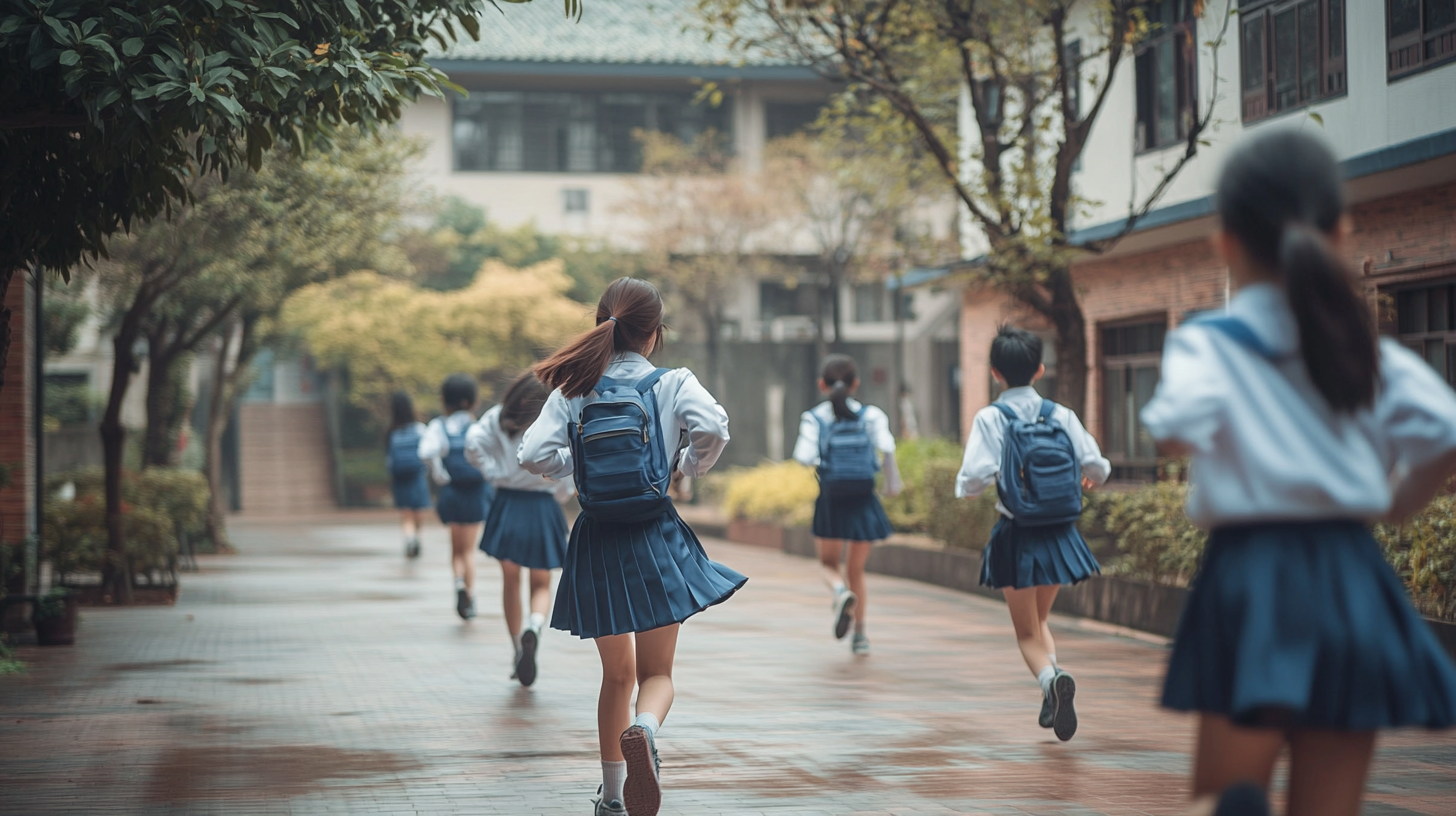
pixel 1377 80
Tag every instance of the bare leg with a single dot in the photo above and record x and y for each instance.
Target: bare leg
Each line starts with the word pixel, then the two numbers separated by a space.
pixel 1045 596
pixel 655 652
pixel 1022 603
pixel 462 552
pixel 540 591
pixel 829 553
pixel 511 597
pixel 409 523
pixel 859 552
pixel 614 704
pixel 1228 754
pixel 1327 771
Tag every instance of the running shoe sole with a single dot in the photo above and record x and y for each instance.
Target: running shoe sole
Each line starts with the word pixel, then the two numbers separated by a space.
pixel 642 794
pixel 526 663
pixel 412 550
pixel 1064 714
pixel 846 614
pixel 463 607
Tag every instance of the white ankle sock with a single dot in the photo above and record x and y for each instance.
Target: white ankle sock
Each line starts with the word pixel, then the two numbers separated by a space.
pixel 538 620
pixel 838 589
pixel 649 721
pixel 1045 678
pixel 459 583
pixel 516 639
pixel 614 776
pixel 859 627
pixel 1053 659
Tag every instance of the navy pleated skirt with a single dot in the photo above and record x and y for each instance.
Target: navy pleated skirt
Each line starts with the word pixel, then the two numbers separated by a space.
pixel 1304 624
pixel 1021 557
pixel 464 504
pixel 853 518
pixel 525 527
pixel 411 492
pixel 636 576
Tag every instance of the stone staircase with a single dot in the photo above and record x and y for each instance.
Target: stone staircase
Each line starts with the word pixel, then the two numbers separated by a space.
pixel 285 461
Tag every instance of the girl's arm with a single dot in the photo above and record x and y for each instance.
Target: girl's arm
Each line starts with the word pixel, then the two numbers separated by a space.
pixel 982 460
pixel 545 448
pixel 707 427
pixel 433 445
pixel 1095 467
pixel 884 442
pixel 483 447
pixel 806 447
pixel 1417 411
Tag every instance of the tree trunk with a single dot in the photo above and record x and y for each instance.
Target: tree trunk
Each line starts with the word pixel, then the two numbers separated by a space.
pixel 157 447
pixel 5 277
pixel 116 568
pixel 836 311
pixel 713 344
pixel 1071 326
pixel 219 409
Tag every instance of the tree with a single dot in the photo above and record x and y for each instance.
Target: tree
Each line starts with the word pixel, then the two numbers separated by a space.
pixel 108 107
pixel 1025 85
pixel 705 223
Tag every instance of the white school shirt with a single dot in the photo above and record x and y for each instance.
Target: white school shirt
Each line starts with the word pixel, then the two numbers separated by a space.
pixel 1267 446
pixel 683 405
pixel 982 461
pixel 806 449
pixel 434 444
pixel 493 451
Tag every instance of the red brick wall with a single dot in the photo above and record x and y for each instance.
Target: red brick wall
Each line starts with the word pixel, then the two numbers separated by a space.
pixel 17 438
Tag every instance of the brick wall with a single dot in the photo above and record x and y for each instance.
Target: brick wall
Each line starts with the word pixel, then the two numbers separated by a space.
pixel 17 438
pixel 1403 238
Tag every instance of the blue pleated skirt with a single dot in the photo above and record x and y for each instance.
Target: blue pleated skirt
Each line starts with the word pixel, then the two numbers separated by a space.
pixel 1305 625
pixel 1021 557
pixel 411 492
pixel 636 576
pixel 464 504
pixel 525 527
pixel 852 518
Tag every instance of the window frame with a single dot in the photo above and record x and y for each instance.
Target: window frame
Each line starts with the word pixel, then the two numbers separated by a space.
pixel 1419 340
pixel 1260 102
pixel 1418 40
pixel 1127 467
pixel 1185 80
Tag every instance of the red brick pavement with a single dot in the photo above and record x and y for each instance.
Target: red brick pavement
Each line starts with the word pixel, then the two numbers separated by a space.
pixel 318 672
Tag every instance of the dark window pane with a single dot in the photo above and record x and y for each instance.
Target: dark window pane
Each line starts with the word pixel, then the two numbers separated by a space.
pixel 1114 387
pixel 1405 321
pixel 1451 363
pixel 1253 53
pixel 1420 311
pixel 1405 17
pixel 788 118
pixel 1286 60
pixel 1145 382
pixel 1337 27
pixel 1166 92
pixel 1439 14
pixel 1438 303
pixel 1309 58
pixel 1144 69
pixel 1435 354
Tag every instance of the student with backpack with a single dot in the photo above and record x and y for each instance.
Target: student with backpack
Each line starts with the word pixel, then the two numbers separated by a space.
pixel 846 441
pixel 407 470
pixel 634 570
pixel 1040 459
pixel 463 496
pixel 1303 428
pixel 525 527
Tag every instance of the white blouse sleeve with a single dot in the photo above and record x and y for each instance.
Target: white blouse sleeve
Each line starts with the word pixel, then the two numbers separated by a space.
pixel 1189 405
pixel 706 424
pixel 483 447
pixel 1094 465
pixel 545 449
pixel 982 460
pixel 1416 409
pixel 806 447
pixel 434 444
pixel 878 424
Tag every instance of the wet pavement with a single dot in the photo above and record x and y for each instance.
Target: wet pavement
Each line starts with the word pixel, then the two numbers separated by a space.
pixel 319 672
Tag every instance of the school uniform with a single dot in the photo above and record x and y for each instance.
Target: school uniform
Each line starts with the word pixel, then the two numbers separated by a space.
pixel 411 490
pixel 621 577
pixel 525 524
pixel 462 496
pixel 1294 617
pixel 851 518
pixel 1020 556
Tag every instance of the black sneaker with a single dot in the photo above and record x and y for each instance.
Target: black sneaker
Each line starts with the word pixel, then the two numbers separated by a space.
pixel 526 660
pixel 464 604
pixel 642 794
pixel 412 548
pixel 843 613
pixel 1243 799
pixel 1064 716
pixel 1044 719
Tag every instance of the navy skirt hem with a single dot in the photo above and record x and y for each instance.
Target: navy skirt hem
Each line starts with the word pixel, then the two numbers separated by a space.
pixel 463 504
pixel 525 527
pixel 620 578
pixel 1021 557
pixel 852 518
pixel 1305 625
pixel 411 492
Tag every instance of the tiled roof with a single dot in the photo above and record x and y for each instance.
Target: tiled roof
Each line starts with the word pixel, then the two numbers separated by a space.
pixel 627 32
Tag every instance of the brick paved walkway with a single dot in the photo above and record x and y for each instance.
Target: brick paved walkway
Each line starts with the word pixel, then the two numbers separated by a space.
pixel 318 672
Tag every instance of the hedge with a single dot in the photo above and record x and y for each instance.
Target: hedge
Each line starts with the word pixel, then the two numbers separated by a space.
pixel 157 503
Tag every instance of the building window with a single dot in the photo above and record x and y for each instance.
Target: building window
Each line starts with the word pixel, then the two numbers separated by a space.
pixel 869 303
pixel 788 118
pixel 1166 75
pixel 1291 54
pixel 778 299
pixel 1426 324
pixel 575 201
pixel 1419 34
pixel 1131 355
pixel 571 132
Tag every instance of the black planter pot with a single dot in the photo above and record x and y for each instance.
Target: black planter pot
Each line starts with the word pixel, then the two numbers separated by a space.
pixel 58 631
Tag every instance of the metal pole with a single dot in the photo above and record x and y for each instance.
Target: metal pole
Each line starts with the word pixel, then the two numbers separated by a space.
pixel 38 413
pixel 899 383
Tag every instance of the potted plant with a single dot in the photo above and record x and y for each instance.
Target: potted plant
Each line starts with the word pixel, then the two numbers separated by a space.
pixel 54 616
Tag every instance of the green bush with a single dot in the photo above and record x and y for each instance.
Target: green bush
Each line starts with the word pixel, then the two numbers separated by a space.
pixel 911 510
pixel 50 605
pixel 155 503
pixel 1144 533
pixel 1423 553
pixel 776 492
pixel 961 523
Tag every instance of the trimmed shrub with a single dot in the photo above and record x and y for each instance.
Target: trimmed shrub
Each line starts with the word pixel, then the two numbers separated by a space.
pixel 961 523
pixel 156 502
pixel 778 492
pixel 911 510
pixel 1423 553
pixel 1144 533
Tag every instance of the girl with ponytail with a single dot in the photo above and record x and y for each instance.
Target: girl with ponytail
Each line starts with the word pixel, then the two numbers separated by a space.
pixel 847 442
pixel 1304 428
pixel 629 584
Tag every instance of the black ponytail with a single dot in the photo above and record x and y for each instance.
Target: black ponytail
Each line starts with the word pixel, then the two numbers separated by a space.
pixel 1280 195
pixel 840 375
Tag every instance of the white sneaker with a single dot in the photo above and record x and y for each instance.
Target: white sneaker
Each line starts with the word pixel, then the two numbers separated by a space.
pixel 605 807
pixel 843 612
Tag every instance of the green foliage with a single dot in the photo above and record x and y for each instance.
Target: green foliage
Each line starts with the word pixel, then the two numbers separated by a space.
pixel 1423 552
pixel 67 403
pixel 155 502
pixel 1146 532
pixel 366 481
pixel 961 523
pixel 910 511
pixel 8 663
pixel 108 106
pixel 66 309
pixel 51 605
pixel 777 492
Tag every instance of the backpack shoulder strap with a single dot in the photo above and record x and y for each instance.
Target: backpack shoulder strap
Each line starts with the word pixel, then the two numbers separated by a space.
pixel 1239 331
pixel 860 414
pixel 645 384
pixel 1047 409
pixel 1006 409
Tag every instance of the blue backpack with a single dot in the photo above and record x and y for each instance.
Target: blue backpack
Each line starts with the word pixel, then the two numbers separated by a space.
pixel 847 460
pixel 621 464
pixel 404 453
pixel 462 473
pixel 1040 480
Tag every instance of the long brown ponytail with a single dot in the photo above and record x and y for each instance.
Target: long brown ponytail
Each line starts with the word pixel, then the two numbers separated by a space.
pixel 629 318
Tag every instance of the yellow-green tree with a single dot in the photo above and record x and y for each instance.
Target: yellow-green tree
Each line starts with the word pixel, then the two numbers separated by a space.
pixel 391 334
